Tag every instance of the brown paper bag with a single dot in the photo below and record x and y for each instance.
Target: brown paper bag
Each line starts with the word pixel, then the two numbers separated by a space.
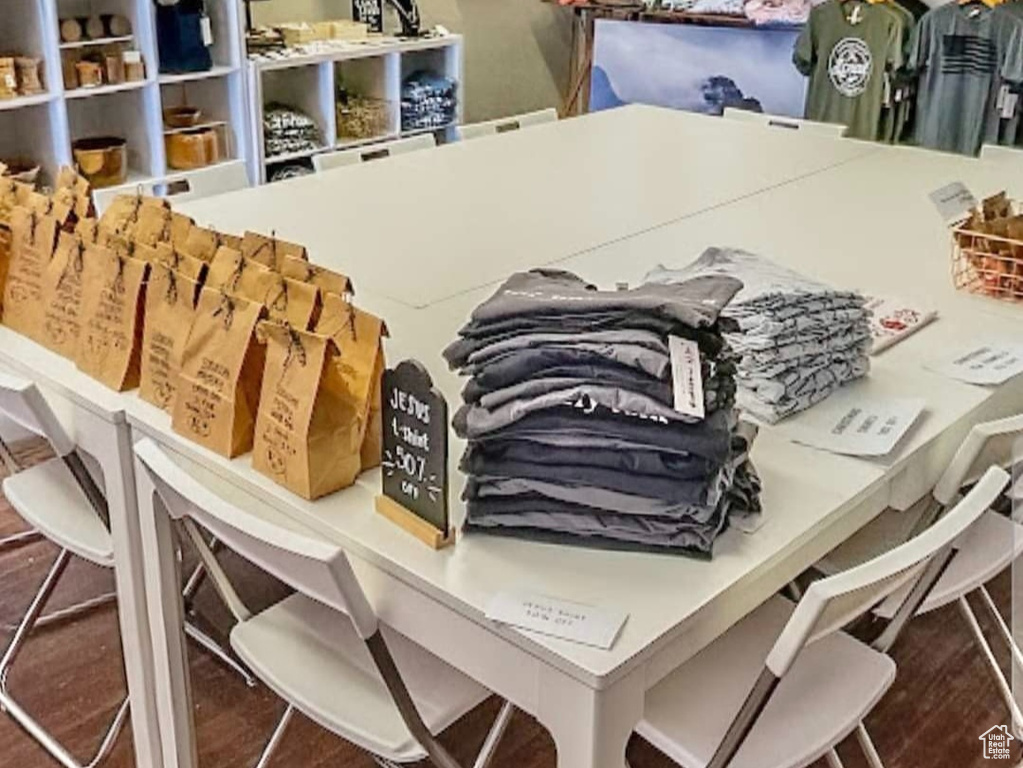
pixel 269 251
pixel 309 427
pixel 33 239
pixel 165 255
pixel 122 215
pixel 372 449
pixel 153 225
pixel 234 274
pixel 359 335
pixel 178 229
pixel 75 188
pixel 221 372
pixel 170 310
pixel 88 230
pixel 62 296
pixel 290 301
pixel 204 243
pixel 110 340
pixel 324 279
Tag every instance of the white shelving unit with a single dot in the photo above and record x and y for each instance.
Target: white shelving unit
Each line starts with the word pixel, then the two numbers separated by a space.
pixel 374 69
pixel 41 128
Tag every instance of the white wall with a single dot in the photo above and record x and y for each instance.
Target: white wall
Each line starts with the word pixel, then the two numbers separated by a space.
pixel 516 51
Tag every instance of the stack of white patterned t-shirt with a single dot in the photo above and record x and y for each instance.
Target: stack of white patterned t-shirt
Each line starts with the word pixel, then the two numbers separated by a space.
pixel 799 339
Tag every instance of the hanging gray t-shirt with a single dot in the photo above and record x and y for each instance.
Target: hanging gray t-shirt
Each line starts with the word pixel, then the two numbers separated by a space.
pixel 963 54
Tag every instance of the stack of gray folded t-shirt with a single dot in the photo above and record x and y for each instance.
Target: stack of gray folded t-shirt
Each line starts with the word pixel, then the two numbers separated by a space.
pixel 569 413
pixel 799 339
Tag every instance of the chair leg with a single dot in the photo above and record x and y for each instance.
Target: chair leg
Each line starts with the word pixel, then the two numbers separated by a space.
pixel 996 670
pixel 833 760
pixel 15 710
pixel 17 540
pixel 489 748
pixel 35 608
pixel 276 738
pixel 869 750
pixel 1017 654
pixel 214 648
pixel 793 591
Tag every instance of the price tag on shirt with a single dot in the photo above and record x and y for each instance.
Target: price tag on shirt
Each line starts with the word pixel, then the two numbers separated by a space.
pixel 1009 108
pixel 853 424
pixel 986 364
pixel 583 624
pixel 687 376
pixel 954 201
pixel 206 26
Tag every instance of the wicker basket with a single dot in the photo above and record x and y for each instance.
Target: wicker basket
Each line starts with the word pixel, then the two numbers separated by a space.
pixel 987 264
pixel 364 118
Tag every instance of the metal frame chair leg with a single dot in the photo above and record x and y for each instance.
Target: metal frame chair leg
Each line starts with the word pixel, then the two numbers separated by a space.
pixel 21 539
pixel 215 649
pixel 833 760
pixel 15 710
pixel 996 671
pixel 867 745
pixel 276 738
pixel 497 729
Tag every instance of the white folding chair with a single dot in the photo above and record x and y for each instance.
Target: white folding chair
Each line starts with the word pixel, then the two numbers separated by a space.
pixel 832 130
pixel 1000 154
pixel 182 187
pixel 323 650
pixel 987 550
pixel 505 124
pixel 785 685
pixel 328 161
pixel 63 503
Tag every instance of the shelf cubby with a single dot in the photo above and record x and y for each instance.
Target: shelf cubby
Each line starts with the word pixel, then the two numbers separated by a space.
pixel 126 114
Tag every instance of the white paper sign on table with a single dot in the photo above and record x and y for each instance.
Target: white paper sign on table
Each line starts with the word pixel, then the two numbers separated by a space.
pixel 987 364
pixel 953 201
pixel 855 425
pixel 584 624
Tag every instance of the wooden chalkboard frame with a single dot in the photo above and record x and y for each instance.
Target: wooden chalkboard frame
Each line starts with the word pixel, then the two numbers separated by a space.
pixel 414 470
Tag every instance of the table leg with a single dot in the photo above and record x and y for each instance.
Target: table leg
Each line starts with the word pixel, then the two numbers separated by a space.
pixel 110 445
pixel 591 728
pixel 166 622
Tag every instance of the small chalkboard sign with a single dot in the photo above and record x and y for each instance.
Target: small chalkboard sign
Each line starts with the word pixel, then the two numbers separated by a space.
pixel 370 13
pixel 415 453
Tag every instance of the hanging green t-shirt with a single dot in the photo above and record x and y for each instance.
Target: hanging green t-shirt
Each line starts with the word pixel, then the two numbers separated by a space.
pixel 845 49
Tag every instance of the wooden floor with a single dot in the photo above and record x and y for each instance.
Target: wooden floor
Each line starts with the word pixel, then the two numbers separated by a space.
pixel 70 677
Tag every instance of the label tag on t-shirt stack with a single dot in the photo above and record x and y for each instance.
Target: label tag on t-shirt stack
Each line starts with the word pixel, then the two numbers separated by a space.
pixel 1002 93
pixel 687 376
pixel 954 201
pixel 1009 108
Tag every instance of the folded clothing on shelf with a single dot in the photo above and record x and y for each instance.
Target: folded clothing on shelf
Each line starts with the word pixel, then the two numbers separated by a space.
pixel 428 100
pixel 569 412
pixel 288 131
pixel 798 339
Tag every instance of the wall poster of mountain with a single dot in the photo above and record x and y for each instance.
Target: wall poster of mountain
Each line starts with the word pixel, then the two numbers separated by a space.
pixel 696 68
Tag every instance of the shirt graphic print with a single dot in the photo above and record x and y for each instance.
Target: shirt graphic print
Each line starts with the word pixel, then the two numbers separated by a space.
pixel 850 66
pixel 968 55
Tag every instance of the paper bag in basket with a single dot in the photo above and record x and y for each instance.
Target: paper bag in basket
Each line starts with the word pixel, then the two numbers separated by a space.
pixel 33 239
pixel 62 295
pixel 170 311
pixel 110 339
pixel 221 371
pixel 309 428
pixel 359 335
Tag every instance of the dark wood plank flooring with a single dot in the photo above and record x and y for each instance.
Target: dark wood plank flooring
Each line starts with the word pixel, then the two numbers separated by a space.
pixel 71 677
